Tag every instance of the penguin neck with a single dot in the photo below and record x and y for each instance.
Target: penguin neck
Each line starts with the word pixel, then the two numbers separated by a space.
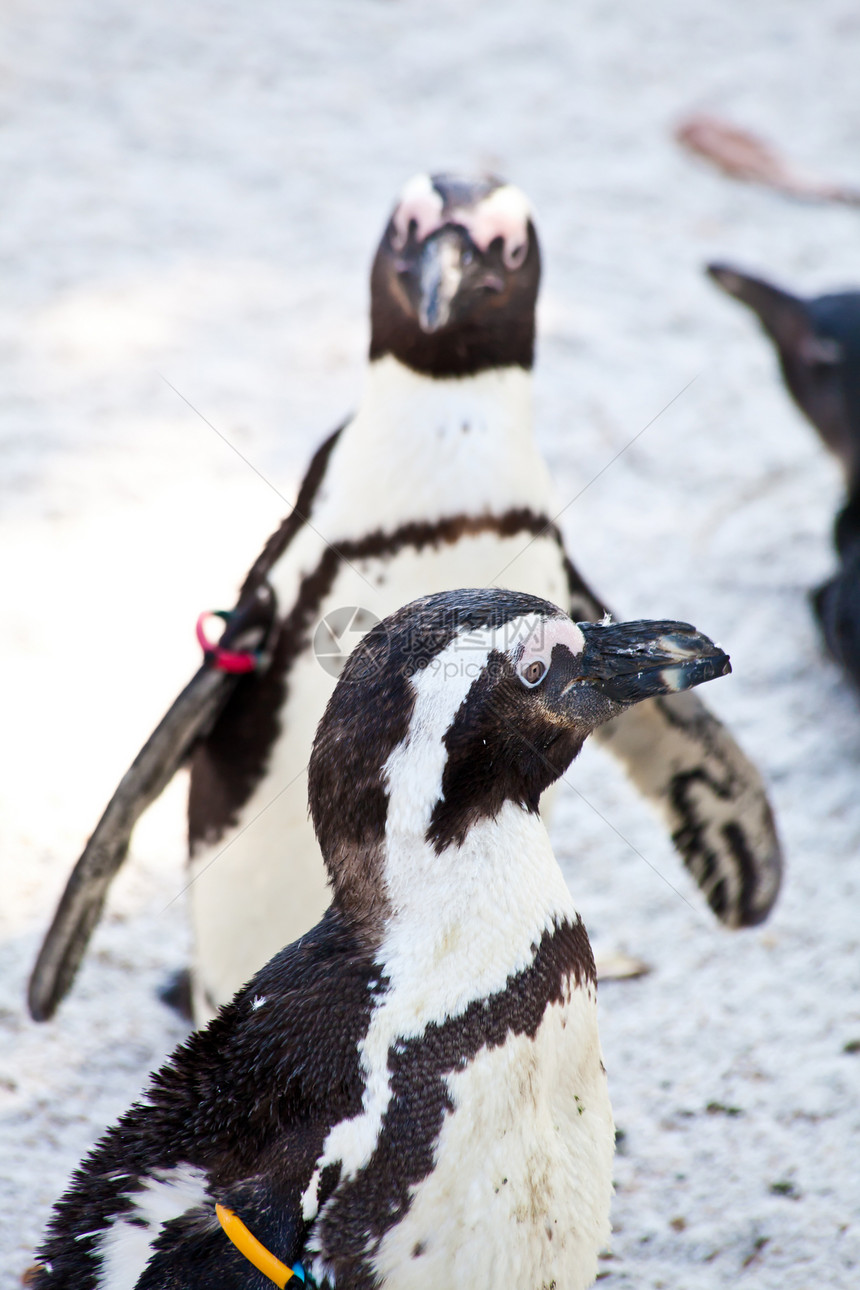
pixel 462 920
pixel 426 447
pixel 502 392
pixel 488 414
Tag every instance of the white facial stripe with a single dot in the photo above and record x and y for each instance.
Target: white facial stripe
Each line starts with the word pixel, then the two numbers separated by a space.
pixel 546 633
pixel 413 772
pixel 504 213
pixel 419 201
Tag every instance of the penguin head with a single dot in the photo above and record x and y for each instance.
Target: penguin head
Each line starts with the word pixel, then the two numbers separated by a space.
pixel 818 342
pixel 455 279
pixel 464 701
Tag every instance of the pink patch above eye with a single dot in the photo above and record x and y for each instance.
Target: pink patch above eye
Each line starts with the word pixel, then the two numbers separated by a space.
pixel 544 636
pixel 419 202
pixel 504 213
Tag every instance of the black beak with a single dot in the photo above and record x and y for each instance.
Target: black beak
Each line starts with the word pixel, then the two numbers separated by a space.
pixel 628 662
pixel 743 286
pixel 780 313
pixel 784 317
pixel 440 273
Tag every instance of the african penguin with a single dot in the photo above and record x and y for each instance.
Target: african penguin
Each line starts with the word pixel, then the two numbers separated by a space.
pixel 412 1094
pixel 818 343
pixel 435 481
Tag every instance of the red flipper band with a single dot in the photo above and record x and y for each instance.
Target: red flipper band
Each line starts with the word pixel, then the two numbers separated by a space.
pixel 226 660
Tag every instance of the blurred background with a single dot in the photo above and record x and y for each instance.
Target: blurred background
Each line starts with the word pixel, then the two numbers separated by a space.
pixel 191 195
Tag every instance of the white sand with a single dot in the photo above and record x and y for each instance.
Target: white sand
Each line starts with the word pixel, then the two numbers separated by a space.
pixel 193 192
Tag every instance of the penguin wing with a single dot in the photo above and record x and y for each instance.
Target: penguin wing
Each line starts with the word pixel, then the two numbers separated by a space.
pixel 149 774
pixel 689 766
pixel 191 719
pixel 238 1116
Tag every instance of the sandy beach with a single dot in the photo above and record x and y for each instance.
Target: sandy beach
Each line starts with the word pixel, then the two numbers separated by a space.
pixel 191 198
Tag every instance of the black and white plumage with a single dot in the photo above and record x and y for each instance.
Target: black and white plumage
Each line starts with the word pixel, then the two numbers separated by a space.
pixel 818 343
pixel 412 1095
pixel 435 482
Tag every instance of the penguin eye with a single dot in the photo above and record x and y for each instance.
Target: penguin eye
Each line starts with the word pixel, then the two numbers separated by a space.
pixel 516 255
pixel 534 673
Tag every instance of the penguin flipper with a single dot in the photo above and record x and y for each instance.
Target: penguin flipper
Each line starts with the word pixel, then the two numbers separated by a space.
pixel 685 762
pixel 713 798
pixel 193 1253
pixel 151 771
pixel 189 718
pixel 238 1115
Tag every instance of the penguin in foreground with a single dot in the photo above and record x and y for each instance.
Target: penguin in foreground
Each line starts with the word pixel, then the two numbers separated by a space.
pixel 412 1095
pixel 818 343
pixel 435 482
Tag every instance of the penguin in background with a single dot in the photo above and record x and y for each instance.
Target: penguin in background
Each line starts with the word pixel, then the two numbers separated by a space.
pixel 435 481
pixel 818 343
pixel 412 1095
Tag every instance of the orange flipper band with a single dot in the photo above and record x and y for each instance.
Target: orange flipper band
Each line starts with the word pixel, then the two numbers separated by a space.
pixel 254 1251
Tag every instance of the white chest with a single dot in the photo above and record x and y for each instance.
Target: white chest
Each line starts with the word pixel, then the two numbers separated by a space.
pixel 521 1188
pixel 420 448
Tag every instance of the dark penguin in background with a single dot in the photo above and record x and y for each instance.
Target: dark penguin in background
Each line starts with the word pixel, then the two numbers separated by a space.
pixel 818 343
pixel 412 1095
pixel 436 482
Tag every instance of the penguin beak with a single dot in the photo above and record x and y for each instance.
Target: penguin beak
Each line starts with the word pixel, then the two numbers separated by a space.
pixel 743 286
pixel 623 663
pixel 784 317
pixel 440 273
